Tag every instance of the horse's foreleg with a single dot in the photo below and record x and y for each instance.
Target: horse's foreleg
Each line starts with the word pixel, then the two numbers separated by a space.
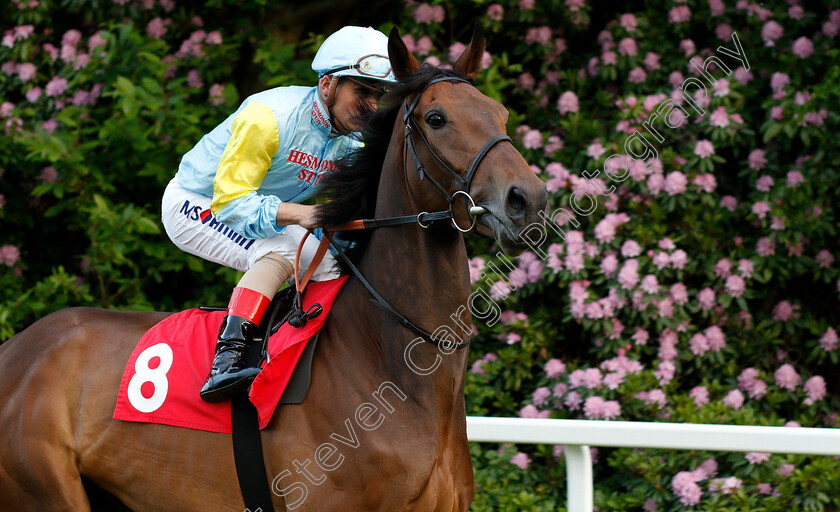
pixel 50 481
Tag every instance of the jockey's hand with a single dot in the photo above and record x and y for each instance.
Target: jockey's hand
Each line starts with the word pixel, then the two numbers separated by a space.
pixel 293 213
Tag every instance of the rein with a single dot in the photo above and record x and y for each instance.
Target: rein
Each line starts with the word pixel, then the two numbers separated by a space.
pixel 425 219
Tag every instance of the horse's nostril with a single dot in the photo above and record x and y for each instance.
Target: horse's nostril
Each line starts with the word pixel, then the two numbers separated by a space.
pixel 516 204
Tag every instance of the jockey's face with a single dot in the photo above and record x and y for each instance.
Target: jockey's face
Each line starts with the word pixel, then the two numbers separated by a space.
pixel 354 101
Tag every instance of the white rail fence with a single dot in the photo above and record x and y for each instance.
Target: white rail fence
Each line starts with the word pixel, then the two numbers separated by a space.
pixel 578 435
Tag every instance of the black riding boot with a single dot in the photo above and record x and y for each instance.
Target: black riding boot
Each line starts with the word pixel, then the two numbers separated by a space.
pixel 229 375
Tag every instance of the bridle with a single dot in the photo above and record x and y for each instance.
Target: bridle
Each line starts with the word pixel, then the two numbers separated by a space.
pixel 425 219
pixel 412 128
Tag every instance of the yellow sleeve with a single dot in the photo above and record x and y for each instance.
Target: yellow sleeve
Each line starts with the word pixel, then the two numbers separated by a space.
pixel 254 140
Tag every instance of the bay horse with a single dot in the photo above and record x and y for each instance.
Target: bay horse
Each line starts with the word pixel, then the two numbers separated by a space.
pixel 398 435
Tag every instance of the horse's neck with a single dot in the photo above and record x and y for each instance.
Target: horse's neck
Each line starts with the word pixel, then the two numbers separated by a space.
pixel 423 274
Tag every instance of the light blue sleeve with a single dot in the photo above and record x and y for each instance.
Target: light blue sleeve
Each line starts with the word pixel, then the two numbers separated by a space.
pixel 253 215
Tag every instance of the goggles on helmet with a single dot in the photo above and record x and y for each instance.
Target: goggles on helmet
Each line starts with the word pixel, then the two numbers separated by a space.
pixel 373 65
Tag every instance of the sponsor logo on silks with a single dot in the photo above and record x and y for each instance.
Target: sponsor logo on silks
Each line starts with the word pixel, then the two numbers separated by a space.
pixel 319 116
pixel 193 212
pixel 314 169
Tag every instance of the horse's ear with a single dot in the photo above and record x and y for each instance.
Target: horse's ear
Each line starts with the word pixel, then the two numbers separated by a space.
pixel 403 62
pixel 470 61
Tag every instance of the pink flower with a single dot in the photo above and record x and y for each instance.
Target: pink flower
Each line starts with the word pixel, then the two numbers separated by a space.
pixel 424 45
pixel 746 268
pixel 48 175
pixel 652 61
pixel 685 487
pixel 757 457
pixel 824 258
pixel 734 399
pixel 627 46
pixel 765 247
pixel 706 182
pixel 156 28
pixel 572 400
pixel 194 79
pixel 717 7
pixel 630 249
pixel 829 340
pixel 526 5
pixel 641 336
pixel 786 470
pixel 771 32
pixel 704 149
pixel 628 22
pixel 698 344
pixel 650 284
pixel 675 183
pixel 521 460
pixel 794 178
pixel 655 183
pixel 26 71
pixel 757 159
pixel 456 50
pixel 554 367
pixel 706 299
pixel 56 86
pixel 679 294
pixel 717 340
pixel 723 268
pixel 815 389
pixel 532 139
pixel 96 40
pixel 679 14
pixel 425 13
pixel 526 81
pixel 787 378
pixel 783 311
pixel 796 12
pixel 9 255
pixel 719 118
pixel 214 37
pixel 735 286
pixel 661 259
pixel 593 407
pixel 495 12
pixel 33 94
pixel 803 48
pixel 760 208
pixel 678 259
pixel 778 81
pixel 538 35
pixel 628 277
pixel 729 202
pixel 575 5
pixel 71 37
pixel 540 395
pixel 700 395
pixel 568 102
pixel 764 184
pixel 665 308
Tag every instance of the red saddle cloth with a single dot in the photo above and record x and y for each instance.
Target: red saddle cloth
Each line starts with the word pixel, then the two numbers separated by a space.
pixel 171 362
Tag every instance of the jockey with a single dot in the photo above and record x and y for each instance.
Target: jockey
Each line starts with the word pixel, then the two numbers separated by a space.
pixel 235 199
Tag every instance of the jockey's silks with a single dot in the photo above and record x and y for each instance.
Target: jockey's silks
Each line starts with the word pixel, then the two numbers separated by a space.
pixel 277 147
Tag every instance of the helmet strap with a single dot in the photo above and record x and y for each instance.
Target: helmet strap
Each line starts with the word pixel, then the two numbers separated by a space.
pixel 331 93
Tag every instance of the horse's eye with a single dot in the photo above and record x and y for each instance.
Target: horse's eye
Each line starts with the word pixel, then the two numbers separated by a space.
pixel 435 120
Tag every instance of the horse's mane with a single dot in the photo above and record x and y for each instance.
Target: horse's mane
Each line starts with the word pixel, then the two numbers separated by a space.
pixel 353 188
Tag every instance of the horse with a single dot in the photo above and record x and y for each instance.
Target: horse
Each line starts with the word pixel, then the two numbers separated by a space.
pixel 383 427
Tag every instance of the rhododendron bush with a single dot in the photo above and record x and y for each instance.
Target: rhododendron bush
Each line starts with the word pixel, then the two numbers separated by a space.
pixel 688 273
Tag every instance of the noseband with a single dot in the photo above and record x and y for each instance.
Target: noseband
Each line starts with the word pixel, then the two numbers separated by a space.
pixel 412 128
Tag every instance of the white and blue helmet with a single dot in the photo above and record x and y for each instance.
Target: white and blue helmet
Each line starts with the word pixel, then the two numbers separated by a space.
pixel 360 52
